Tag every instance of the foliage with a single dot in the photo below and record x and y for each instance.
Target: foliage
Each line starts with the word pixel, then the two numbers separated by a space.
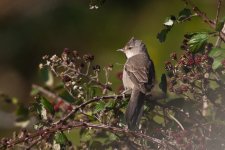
pixel 78 94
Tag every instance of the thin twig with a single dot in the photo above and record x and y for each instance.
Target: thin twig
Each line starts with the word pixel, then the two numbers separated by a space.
pixel 191 16
pixel 200 13
pixel 219 2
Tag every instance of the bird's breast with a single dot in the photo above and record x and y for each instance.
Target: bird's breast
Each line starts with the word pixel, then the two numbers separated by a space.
pixel 127 83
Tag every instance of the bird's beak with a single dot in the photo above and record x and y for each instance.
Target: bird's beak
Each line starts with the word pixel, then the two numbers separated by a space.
pixel 120 50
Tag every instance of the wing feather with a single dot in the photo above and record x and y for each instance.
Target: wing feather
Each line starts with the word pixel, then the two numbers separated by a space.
pixel 140 70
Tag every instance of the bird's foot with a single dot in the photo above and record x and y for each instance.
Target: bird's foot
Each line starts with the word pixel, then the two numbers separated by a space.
pixel 126 91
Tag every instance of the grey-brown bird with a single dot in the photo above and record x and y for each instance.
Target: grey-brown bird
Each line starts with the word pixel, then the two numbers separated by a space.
pixel 138 78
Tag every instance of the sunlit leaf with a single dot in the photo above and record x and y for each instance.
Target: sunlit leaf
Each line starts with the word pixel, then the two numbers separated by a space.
pixel 109 104
pixel 47 105
pixel 111 136
pixel 60 138
pixel 158 119
pixel 99 107
pixel 198 41
pixel 218 54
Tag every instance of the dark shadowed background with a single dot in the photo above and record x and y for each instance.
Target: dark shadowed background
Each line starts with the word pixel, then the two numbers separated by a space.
pixel 30 29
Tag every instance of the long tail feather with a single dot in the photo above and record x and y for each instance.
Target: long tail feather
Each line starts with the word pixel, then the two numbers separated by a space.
pixel 135 109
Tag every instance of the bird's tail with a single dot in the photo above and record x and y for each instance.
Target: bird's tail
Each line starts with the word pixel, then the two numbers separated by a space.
pixel 135 109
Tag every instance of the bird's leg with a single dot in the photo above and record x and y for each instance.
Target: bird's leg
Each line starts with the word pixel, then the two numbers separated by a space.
pixel 126 91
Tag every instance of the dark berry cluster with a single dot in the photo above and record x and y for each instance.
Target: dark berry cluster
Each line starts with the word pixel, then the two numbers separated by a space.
pixel 185 71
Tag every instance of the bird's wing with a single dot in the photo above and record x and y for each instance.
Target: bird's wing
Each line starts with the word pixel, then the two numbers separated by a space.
pixel 140 70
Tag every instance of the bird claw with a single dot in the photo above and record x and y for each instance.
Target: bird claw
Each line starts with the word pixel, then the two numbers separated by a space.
pixel 125 92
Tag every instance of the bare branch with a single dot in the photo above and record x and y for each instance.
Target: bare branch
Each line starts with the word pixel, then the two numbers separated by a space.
pixel 74 124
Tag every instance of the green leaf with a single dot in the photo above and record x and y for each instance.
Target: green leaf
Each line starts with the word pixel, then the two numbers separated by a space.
pixel 47 105
pixel 112 136
pixel 198 41
pixel 60 138
pixel 218 55
pixel 67 97
pixel 163 33
pixel 110 104
pixel 163 83
pixel 220 25
pixel 158 119
pixel 99 107
pixel 184 14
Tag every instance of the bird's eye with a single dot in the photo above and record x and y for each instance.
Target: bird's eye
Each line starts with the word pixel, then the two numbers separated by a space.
pixel 130 47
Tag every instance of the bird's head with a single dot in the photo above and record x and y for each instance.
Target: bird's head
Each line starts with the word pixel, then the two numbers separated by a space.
pixel 133 47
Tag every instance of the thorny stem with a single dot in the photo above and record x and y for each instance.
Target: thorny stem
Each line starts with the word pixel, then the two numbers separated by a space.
pixel 59 126
pixel 74 124
pixel 219 2
pixel 211 23
pixel 116 97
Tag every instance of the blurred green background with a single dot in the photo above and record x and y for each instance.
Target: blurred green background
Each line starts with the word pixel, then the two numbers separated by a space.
pixel 30 29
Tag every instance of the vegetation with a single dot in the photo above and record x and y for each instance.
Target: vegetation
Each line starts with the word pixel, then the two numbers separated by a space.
pixel 78 95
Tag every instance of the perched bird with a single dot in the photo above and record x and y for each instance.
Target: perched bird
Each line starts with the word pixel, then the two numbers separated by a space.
pixel 138 78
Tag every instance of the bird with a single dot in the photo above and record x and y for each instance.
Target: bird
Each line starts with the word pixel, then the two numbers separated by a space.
pixel 138 79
